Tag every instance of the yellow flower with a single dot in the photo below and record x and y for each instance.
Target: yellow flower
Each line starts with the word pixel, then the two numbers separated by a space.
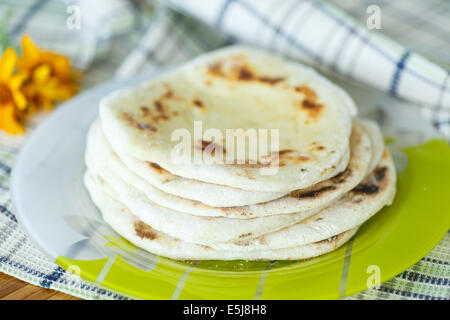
pixel 50 77
pixel 12 101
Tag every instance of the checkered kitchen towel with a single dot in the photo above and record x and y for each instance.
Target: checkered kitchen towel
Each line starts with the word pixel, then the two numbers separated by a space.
pixel 119 38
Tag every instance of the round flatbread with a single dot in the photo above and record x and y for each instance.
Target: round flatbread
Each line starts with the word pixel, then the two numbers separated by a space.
pixel 353 209
pixel 231 89
pixel 210 194
pixel 142 235
pixel 188 227
pixel 315 197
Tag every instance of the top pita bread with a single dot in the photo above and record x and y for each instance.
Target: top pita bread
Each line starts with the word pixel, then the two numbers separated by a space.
pixel 237 87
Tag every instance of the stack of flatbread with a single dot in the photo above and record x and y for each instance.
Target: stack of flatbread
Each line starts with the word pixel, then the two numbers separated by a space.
pixel 317 173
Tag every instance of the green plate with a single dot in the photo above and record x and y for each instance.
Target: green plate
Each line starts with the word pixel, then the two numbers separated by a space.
pixel 58 215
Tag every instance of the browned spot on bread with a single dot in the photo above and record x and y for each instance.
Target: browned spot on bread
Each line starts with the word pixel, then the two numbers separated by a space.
pixel 314 193
pixel 310 105
pixel 245 235
pixel 289 156
pixel 315 146
pixel 285 151
pixel 331 239
pixel 380 173
pixel 252 164
pixel 146 126
pixel 343 176
pixel 323 187
pixel 156 167
pixel 326 170
pixel 242 243
pixel 366 189
pixel 101 180
pixel 145 110
pixel 302 158
pixel 204 144
pixel 210 146
pixel 169 93
pixel 241 71
pixel 262 240
pixel 244 73
pixel 128 118
pixel 215 69
pixel 145 231
pixel 271 80
pixel 374 183
pixel 158 106
pixel 134 123
pixel 309 93
pixel 313 109
pixel 198 103
pixel 157 114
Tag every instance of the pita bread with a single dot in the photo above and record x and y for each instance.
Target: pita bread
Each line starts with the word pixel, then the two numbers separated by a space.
pixel 236 88
pixel 142 235
pixel 377 142
pixel 353 209
pixel 315 197
pixel 272 232
pixel 199 229
pixel 214 195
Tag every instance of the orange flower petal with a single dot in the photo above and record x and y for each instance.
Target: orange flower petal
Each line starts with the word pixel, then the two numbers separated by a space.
pixel 59 63
pixel 7 64
pixel 30 51
pixel 50 78
pixel 8 120
pixel 42 73
pixel 16 80
pixel 19 99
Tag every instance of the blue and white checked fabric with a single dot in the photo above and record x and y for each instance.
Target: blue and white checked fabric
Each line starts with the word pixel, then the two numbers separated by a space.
pixel 119 38
pixel 319 33
pixel 423 26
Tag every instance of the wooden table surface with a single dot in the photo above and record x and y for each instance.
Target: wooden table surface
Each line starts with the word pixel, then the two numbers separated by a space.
pixel 15 289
